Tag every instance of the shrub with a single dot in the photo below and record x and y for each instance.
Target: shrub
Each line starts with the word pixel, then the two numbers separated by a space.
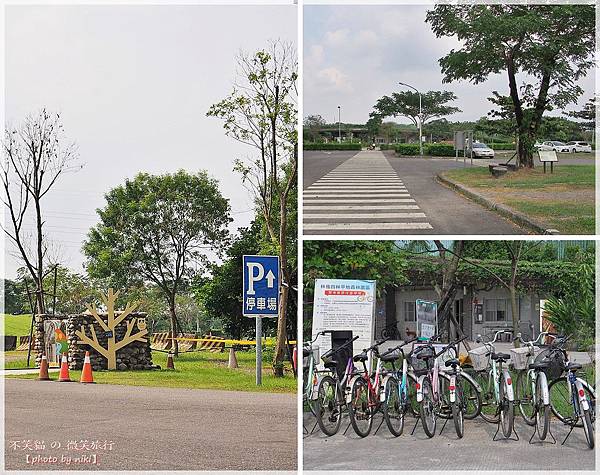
pixel 502 146
pixel 407 149
pixel 332 146
pixel 387 146
pixel 439 150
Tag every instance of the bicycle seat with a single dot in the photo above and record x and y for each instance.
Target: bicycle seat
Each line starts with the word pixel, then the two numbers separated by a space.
pixel 393 356
pixel 452 362
pixel 573 366
pixel 500 356
pixel 540 365
pixel 361 357
pixel 305 352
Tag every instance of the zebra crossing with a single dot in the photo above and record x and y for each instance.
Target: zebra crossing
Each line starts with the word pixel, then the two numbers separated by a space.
pixel 363 195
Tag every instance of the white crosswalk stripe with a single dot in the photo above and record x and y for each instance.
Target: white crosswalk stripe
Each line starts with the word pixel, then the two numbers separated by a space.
pixel 363 194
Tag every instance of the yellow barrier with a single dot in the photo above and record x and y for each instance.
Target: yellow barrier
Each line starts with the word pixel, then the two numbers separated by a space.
pixel 231 342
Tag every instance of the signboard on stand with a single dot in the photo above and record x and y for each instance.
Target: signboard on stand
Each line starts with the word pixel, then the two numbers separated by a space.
pixel 426 313
pixel 260 296
pixel 341 304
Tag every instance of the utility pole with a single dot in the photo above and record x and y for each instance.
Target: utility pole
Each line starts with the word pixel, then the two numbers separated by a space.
pixel 340 124
pixel 420 117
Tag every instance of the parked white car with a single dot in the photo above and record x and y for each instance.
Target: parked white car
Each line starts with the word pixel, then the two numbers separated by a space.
pixel 576 146
pixel 554 145
pixel 481 150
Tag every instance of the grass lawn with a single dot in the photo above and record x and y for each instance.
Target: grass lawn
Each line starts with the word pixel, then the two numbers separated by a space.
pixel 563 200
pixel 199 370
pixel 16 325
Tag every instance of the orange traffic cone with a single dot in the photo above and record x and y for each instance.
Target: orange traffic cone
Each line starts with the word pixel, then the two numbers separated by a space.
pixel 63 377
pixel 44 369
pixel 86 373
pixel 170 364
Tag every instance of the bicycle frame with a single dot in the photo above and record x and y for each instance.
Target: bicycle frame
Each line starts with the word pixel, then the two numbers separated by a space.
pixel 495 375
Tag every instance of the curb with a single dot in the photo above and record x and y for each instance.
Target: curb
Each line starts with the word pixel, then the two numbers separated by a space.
pixel 504 211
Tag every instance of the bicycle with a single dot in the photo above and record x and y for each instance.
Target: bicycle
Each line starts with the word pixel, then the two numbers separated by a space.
pixel 331 389
pixel 396 389
pixel 364 393
pixel 572 399
pixel 433 401
pixel 495 382
pixel 310 356
pixel 532 394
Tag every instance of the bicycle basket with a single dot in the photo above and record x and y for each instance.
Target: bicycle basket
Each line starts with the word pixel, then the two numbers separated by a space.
pixel 556 361
pixel 480 358
pixel 422 360
pixel 520 356
pixel 315 354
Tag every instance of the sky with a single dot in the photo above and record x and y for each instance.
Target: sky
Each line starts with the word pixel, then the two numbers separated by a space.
pixel 354 55
pixel 133 85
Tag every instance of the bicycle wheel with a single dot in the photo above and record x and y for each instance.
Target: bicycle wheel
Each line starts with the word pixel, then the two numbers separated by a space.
pixel 507 414
pixel 561 404
pixel 588 428
pixel 360 410
pixel 393 409
pixel 309 401
pixel 444 408
pixel 329 406
pixel 489 405
pixel 542 411
pixel 427 409
pixel 524 396
pixel 458 410
pixel 471 399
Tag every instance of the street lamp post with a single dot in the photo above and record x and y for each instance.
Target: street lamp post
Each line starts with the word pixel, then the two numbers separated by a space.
pixel 339 124
pixel 420 117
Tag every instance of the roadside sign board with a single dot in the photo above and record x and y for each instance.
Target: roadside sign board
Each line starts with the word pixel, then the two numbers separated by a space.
pixel 343 304
pixel 426 318
pixel 548 156
pixel 261 286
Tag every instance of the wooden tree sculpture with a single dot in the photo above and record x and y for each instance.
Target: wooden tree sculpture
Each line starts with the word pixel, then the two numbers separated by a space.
pixel 110 353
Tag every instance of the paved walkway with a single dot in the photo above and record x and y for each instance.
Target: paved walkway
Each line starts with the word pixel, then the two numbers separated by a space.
pixel 362 195
pixel 150 428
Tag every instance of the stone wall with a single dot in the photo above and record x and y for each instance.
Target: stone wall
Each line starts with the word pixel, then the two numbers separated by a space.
pixel 135 356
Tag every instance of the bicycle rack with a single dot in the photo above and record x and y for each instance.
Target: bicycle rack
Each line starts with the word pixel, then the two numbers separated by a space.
pixel 542 441
pixel 498 430
pixel 573 424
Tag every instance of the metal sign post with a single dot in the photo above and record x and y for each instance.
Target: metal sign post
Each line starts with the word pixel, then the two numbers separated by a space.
pixel 261 296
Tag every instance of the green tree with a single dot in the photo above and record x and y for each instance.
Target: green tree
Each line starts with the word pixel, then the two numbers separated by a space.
pixel 13 296
pixel 406 104
pixel 587 115
pixel 156 229
pixel 312 124
pixel 261 112
pixel 551 43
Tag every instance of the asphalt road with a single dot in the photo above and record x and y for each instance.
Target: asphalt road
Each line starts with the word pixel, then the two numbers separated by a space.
pixel 338 200
pixel 475 451
pixel 151 428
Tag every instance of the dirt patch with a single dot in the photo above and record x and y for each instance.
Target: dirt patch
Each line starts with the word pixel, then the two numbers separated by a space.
pixel 550 194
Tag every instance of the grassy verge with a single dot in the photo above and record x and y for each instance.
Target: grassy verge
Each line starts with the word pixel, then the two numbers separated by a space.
pixel 197 370
pixel 16 325
pixel 563 200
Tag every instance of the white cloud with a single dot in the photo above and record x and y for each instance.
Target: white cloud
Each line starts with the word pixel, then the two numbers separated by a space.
pixel 366 38
pixel 333 78
pixel 337 37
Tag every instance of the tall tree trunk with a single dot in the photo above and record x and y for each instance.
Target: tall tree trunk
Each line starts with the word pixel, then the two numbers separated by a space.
pixel 173 314
pixel 39 278
pixel 281 320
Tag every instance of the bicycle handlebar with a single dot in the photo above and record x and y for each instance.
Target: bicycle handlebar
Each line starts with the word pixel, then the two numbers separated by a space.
pixel 333 351
pixel 399 347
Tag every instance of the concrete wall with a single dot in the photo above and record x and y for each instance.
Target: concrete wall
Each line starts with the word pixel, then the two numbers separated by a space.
pixel 529 309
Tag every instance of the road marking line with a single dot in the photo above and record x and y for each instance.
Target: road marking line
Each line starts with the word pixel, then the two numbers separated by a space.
pixel 358 208
pixel 364 226
pixel 311 200
pixel 366 216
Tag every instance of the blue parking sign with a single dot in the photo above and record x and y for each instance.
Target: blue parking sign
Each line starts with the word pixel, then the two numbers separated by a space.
pixel 261 286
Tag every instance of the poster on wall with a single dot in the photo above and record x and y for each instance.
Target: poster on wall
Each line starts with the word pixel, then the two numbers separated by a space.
pixel 341 304
pixel 426 318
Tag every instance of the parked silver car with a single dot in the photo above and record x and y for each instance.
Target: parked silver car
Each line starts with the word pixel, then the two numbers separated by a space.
pixel 554 145
pixel 481 150
pixel 577 146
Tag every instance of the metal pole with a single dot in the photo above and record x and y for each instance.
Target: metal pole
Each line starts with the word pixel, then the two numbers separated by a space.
pixel 54 291
pixel 340 124
pixel 31 325
pixel 258 351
